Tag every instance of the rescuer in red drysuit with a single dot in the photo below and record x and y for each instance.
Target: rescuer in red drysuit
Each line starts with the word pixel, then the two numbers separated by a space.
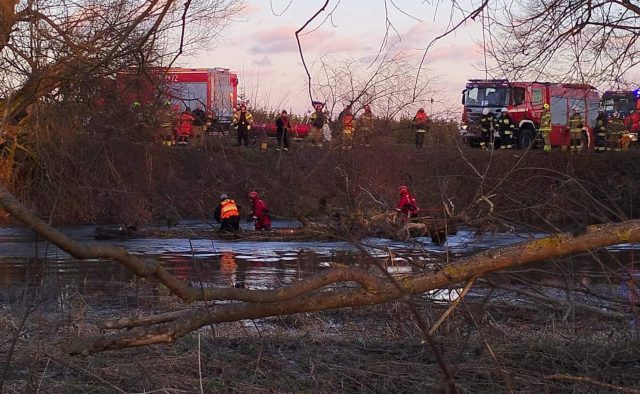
pixel 260 212
pixel 407 204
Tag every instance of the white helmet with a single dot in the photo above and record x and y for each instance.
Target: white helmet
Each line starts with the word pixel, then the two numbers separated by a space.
pixel 504 109
pixel 576 109
pixel 485 111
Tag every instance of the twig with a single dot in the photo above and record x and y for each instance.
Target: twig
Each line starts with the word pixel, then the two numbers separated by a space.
pixel 84 371
pixel 200 365
pixel 453 306
pixel 584 379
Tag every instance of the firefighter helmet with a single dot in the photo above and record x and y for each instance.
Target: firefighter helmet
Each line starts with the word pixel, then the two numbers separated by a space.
pixel 485 111
pixel 253 195
pixel 576 109
pixel 403 189
pixel 504 109
pixel 223 196
pixel 546 106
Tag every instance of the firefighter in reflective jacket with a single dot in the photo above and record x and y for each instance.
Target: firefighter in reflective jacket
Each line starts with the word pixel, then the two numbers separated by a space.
pixel 260 212
pixel 615 130
pixel 576 123
pixel 487 125
pixel 506 127
pixel 407 204
pixel 227 214
pixel 545 127
pixel 242 121
pixel 600 130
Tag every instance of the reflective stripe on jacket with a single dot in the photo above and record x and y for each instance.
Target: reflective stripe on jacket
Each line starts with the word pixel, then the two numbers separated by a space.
pixel 228 209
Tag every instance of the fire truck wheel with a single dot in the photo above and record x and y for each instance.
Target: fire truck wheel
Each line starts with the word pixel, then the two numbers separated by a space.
pixel 526 138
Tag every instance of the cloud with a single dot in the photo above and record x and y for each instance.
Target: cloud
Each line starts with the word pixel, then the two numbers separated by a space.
pixel 276 40
pixel 283 40
pixel 265 61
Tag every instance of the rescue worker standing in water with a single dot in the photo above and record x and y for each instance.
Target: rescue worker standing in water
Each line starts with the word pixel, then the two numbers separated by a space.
pixel 407 204
pixel 227 214
pixel 260 212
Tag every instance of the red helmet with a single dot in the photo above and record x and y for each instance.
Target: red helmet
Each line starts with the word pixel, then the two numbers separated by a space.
pixel 253 195
pixel 403 189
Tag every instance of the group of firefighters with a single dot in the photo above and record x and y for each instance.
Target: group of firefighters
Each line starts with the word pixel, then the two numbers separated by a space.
pixel 188 127
pixel 227 212
pixel 610 134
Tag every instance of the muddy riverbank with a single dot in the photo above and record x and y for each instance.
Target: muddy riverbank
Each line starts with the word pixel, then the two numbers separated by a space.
pixel 108 181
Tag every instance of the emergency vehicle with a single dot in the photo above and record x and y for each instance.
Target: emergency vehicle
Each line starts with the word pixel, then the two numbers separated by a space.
pixel 215 89
pixel 524 101
pixel 627 103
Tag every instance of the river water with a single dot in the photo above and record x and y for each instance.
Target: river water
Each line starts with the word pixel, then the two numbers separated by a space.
pixel 257 265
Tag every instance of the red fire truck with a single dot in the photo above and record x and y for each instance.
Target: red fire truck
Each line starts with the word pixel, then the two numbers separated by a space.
pixel 215 89
pixel 524 101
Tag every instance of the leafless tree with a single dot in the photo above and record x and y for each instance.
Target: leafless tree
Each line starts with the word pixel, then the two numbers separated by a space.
pixel 583 41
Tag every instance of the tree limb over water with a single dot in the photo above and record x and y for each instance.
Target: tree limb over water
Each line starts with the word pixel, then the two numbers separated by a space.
pixel 307 295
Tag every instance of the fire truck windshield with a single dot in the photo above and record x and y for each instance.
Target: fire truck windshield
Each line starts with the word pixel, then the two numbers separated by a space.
pixel 487 96
pixel 624 103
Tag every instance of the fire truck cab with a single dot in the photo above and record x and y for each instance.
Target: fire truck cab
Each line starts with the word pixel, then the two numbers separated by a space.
pixel 524 102
pixel 627 103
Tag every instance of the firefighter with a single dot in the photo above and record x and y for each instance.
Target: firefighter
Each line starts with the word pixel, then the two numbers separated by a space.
pixel 576 123
pixel 318 121
pixel 407 204
pixel 545 127
pixel 242 121
pixel 166 121
pixel 227 213
pixel 600 129
pixel 421 124
pixel 487 127
pixel 259 212
pixel 283 125
pixel 185 127
pixel 365 124
pixel 347 123
pixel 199 122
pixel 615 130
pixel 506 128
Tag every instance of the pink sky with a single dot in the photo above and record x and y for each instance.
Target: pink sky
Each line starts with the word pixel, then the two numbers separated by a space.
pixel 262 49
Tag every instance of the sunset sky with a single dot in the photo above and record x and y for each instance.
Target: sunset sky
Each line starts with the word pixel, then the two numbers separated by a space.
pixel 262 49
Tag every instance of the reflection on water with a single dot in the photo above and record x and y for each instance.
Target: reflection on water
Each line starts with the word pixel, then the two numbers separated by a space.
pixel 255 265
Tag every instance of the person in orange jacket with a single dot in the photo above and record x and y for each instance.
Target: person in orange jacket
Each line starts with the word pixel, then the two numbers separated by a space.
pixel 185 126
pixel 260 212
pixel 407 204
pixel 227 213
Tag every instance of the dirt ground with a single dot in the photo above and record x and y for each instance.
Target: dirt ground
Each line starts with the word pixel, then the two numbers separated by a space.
pixel 486 348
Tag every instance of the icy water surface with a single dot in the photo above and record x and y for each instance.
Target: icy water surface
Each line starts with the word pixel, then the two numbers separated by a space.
pixel 27 260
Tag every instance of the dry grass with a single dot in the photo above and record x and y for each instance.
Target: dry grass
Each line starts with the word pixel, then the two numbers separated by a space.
pixel 489 348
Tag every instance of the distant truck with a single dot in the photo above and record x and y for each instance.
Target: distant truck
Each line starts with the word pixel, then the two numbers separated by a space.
pixel 215 89
pixel 524 101
pixel 627 103
pixel 299 130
